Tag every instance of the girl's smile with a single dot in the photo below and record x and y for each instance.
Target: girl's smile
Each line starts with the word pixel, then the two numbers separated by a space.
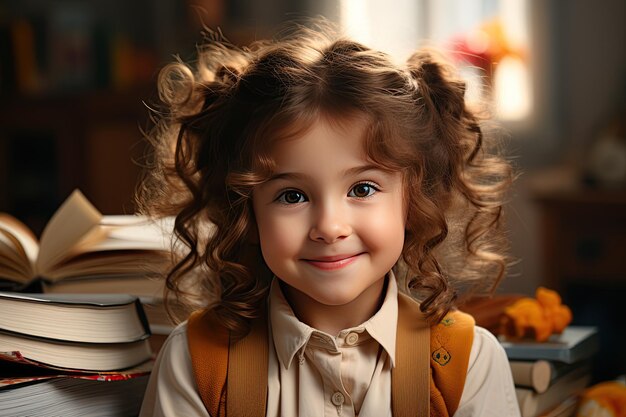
pixel 330 263
pixel 331 224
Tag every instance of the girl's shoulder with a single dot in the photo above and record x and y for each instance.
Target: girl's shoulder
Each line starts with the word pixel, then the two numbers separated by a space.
pixel 486 349
pixel 175 348
pixel 177 335
pixel 489 383
pixel 172 383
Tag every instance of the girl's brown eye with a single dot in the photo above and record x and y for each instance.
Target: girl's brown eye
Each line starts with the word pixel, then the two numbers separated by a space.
pixel 291 197
pixel 362 190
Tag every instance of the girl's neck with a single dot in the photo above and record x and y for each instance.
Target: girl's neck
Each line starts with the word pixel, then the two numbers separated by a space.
pixel 332 319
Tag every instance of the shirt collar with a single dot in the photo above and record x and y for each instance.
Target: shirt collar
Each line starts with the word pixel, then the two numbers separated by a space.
pixel 382 326
pixel 284 322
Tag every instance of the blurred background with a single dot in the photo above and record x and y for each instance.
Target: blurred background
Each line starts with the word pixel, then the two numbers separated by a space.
pixel 74 77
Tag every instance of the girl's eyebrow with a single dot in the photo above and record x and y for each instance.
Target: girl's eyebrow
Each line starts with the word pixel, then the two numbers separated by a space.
pixel 348 172
pixel 362 168
pixel 287 176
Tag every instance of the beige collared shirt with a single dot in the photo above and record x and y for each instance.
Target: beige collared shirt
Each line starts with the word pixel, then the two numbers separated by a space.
pixel 314 374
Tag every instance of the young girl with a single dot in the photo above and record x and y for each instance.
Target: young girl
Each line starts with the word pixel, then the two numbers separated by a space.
pixel 314 182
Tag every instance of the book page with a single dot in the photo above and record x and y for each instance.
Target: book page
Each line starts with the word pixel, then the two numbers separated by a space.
pixel 14 265
pixel 22 234
pixel 18 249
pixel 120 244
pixel 76 218
pixel 124 233
pixel 140 232
pixel 111 263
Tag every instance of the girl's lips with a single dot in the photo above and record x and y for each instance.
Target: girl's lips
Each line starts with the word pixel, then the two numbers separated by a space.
pixel 329 263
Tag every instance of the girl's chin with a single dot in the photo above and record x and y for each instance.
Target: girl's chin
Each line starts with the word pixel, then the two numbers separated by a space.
pixel 349 297
pixel 335 294
pixel 330 297
pixel 334 301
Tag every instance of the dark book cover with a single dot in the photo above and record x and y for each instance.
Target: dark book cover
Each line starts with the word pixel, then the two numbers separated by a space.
pixel 574 344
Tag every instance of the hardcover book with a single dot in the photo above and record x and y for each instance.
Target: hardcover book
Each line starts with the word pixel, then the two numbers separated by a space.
pixel 95 333
pixel 574 344
pixel 92 318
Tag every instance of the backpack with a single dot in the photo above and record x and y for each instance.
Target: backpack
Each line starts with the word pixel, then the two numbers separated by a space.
pixel 228 372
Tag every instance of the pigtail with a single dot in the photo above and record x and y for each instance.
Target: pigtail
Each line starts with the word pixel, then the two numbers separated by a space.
pixel 464 188
pixel 192 145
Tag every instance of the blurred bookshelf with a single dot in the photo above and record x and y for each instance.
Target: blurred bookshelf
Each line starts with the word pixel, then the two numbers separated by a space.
pixel 74 77
pixel 583 235
pixel 53 144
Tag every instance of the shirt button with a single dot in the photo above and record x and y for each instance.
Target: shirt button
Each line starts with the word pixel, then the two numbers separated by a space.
pixel 337 398
pixel 352 338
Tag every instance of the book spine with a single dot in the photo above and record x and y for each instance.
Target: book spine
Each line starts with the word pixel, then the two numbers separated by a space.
pixel 532 374
pixel 143 318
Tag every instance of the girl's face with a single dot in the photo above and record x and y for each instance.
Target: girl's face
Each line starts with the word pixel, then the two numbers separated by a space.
pixel 331 224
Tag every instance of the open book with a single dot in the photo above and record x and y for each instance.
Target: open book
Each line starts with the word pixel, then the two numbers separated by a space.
pixel 80 242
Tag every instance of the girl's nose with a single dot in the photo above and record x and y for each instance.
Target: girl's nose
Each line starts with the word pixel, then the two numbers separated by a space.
pixel 329 225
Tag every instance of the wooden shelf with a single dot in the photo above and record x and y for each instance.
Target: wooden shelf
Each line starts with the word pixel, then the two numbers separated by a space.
pixel 584 235
pixel 50 145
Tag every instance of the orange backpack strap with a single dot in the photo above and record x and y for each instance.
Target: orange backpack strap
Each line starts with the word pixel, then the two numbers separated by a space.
pixel 247 372
pixel 450 345
pixel 208 347
pixel 410 379
pixel 221 366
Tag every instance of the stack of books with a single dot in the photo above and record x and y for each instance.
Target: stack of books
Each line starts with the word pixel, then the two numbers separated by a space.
pixel 82 251
pixel 64 355
pixel 549 375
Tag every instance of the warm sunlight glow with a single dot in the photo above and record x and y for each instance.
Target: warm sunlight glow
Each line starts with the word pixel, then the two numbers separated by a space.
pixel 512 89
pixel 394 30
pixel 355 19
pixel 489 39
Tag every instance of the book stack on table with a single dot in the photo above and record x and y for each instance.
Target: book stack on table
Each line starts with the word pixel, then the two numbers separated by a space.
pixel 82 251
pixel 65 355
pixel 549 375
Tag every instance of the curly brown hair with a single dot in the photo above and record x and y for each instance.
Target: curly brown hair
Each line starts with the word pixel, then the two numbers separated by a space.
pixel 215 127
